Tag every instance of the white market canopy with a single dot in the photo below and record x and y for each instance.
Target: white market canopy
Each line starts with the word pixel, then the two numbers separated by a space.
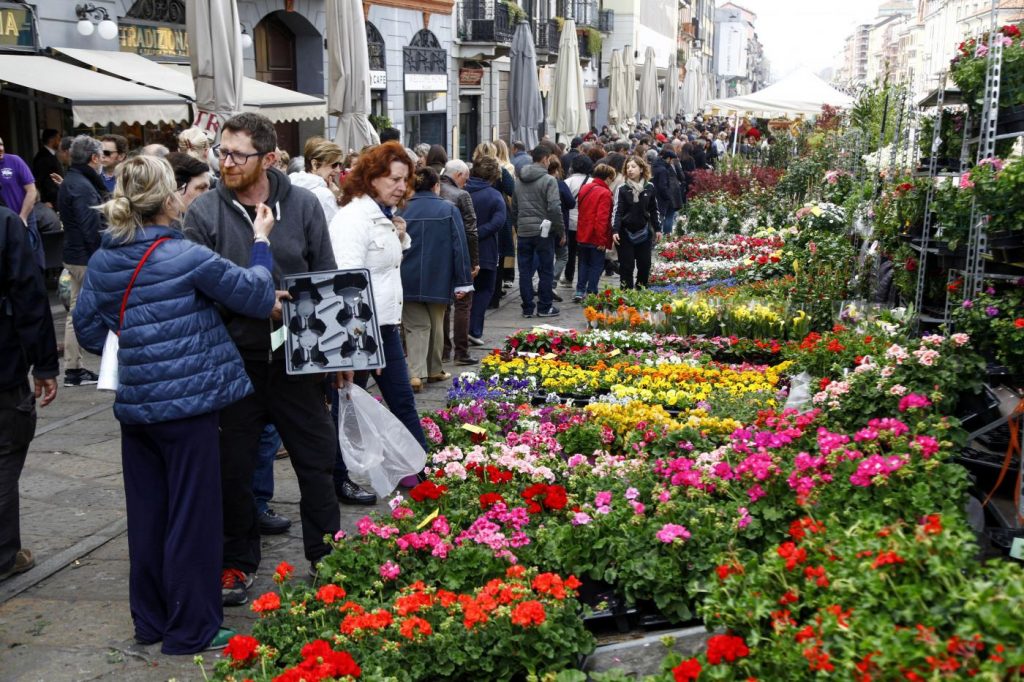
pixel 276 103
pixel 800 93
pixel 96 99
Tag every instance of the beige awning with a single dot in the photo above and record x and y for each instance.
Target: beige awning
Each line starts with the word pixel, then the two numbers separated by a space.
pixel 276 103
pixel 96 99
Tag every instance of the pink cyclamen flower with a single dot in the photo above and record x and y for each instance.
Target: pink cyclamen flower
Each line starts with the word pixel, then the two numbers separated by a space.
pixel 389 570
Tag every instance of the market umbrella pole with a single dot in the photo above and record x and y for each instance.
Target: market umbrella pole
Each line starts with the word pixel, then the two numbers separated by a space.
pixel 216 47
pixel 735 133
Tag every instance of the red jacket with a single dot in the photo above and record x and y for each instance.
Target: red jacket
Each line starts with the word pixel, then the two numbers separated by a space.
pixel 594 203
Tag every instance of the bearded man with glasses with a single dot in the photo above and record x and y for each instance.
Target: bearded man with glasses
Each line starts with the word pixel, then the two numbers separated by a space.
pixel 222 219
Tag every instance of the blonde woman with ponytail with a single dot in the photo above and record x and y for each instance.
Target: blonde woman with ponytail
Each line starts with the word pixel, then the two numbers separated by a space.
pixel 177 367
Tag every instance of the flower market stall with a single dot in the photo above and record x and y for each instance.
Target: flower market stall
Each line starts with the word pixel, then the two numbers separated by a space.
pixel 770 441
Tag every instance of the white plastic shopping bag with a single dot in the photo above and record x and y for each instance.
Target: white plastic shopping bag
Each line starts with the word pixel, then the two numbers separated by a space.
pixel 378 450
pixel 108 364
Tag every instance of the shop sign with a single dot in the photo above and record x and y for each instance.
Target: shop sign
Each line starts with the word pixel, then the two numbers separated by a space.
pixel 151 39
pixel 470 77
pixel 426 82
pixel 425 64
pixel 16 27
pixel 378 80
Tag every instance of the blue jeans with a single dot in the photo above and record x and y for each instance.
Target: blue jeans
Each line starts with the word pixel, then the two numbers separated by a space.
pixel 536 255
pixel 393 382
pixel 668 222
pixel 591 266
pixel 483 287
pixel 263 474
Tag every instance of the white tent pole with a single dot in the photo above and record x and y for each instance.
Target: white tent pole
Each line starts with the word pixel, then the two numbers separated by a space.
pixel 735 133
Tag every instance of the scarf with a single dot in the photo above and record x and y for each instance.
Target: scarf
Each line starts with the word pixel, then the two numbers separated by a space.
pixel 92 176
pixel 388 212
pixel 636 187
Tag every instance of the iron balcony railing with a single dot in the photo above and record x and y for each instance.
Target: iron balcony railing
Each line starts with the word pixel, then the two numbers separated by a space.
pixel 606 21
pixel 584 12
pixel 484 21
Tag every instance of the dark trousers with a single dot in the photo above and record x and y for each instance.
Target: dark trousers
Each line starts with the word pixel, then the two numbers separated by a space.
pixel 263 476
pixel 459 335
pixel 591 267
pixel 483 286
pixel 173 500
pixel 634 255
pixel 17 426
pixel 393 382
pixel 570 265
pixel 295 405
pixel 536 255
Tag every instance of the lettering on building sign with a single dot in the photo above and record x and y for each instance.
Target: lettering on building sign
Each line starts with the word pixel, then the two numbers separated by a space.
pixel 16 30
pixel 470 77
pixel 378 80
pixel 153 40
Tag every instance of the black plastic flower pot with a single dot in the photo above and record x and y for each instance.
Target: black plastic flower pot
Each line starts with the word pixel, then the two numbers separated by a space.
pixel 1007 246
pixel 1011 120
pixel 975 410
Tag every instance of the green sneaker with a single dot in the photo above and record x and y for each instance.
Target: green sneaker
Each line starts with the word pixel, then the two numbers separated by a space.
pixel 221 639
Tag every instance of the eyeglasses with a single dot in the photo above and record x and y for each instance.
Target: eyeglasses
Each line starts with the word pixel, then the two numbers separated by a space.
pixel 336 165
pixel 107 152
pixel 236 158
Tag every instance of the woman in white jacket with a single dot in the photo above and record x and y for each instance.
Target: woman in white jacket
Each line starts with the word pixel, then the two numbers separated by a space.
pixel 366 234
pixel 323 161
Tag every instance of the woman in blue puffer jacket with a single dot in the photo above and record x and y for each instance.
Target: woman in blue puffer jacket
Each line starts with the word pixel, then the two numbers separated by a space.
pixel 177 368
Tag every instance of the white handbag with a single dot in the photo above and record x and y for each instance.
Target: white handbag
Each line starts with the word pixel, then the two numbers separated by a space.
pixel 108 380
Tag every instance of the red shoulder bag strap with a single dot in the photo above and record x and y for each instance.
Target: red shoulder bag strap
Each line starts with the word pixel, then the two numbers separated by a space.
pixel 131 282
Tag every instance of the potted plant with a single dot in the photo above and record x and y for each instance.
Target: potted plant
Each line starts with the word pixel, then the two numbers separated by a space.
pixel 999 191
pixel 970 67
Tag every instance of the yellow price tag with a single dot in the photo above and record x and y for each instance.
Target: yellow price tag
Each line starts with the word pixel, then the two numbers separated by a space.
pixel 473 428
pixel 815 211
pixel 796 267
pixel 617 351
pixel 549 356
pixel 430 517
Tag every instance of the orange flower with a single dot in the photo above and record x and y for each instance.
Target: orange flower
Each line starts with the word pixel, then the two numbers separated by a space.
pixel 330 593
pixel 411 627
pixel 268 602
pixel 283 572
pixel 528 613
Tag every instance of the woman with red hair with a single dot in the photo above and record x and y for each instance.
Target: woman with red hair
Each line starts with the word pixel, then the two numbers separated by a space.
pixel 366 233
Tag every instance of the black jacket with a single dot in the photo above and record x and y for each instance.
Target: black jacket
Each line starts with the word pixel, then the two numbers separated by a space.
pixel 43 164
pixel 631 215
pixel 79 193
pixel 27 337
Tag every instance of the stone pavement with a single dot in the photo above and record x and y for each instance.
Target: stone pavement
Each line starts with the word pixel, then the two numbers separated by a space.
pixel 68 618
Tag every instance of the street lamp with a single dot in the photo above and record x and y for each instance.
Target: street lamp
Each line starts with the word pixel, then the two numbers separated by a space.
pixel 87 14
pixel 246 38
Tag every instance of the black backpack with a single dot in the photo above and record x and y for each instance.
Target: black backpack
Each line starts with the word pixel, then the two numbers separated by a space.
pixel 675 189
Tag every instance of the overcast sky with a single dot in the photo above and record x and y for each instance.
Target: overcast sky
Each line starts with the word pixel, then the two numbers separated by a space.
pixel 806 32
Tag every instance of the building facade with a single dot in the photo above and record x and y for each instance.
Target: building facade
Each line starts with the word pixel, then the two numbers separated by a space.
pixel 740 65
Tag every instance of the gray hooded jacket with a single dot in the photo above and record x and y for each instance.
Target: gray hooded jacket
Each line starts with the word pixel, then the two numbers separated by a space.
pixel 299 243
pixel 536 198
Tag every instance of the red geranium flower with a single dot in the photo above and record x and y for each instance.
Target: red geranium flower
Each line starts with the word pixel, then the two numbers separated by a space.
pixel 427 490
pixel 241 649
pixel 489 499
pixel 1019 323
pixel 411 627
pixel 283 572
pixel 330 593
pixel 528 613
pixel 726 647
pixel 687 671
pixel 268 602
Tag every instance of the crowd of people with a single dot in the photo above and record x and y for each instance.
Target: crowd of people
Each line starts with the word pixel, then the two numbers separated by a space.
pixel 180 254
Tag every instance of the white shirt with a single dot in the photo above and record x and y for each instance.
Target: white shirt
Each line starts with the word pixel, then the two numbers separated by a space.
pixel 575 182
pixel 363 237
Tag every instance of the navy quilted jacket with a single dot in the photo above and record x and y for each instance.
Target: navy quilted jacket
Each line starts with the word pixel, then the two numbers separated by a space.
pixel 176 359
